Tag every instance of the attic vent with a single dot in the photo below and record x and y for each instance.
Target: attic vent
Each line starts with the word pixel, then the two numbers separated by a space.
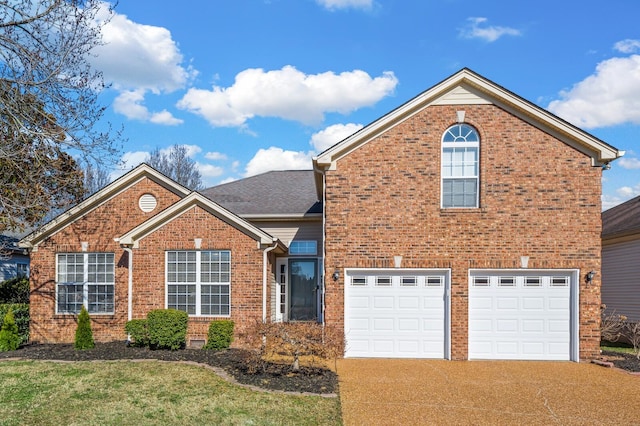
pixel 147 203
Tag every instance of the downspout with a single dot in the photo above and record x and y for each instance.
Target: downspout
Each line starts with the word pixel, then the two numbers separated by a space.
pixel 130 287
pixel 265 254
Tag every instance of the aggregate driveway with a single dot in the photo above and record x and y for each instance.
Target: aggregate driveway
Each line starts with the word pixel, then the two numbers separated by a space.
pixel 438 392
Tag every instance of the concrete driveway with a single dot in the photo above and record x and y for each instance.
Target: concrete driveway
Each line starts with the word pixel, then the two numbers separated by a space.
pixel 437 392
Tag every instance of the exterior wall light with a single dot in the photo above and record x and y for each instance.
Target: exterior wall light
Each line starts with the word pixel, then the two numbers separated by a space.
pixel 336 275
pixel 590 275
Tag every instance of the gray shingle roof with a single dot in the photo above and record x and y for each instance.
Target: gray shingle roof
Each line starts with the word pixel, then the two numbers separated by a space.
pixel 622 219
pixel 289 192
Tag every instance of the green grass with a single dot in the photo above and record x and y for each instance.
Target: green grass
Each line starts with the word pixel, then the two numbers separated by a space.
pixel 617 347
pixel 145 393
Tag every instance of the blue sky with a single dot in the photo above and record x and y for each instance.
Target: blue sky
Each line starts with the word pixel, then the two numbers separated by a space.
pixel 257 85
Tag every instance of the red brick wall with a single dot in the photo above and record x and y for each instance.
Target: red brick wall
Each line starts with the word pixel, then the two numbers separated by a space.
pixel 114 218
pixel 538 198
pixel 246 268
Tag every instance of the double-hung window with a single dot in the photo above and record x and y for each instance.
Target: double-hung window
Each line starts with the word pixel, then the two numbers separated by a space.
pixel 199 282
pixel 460 159
pixel 85 279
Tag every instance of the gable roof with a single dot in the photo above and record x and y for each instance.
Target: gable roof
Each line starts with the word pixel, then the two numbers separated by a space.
pixel 466 87
pixel 184 205
pixel 100 197
pixel 622 220
pixel 277 194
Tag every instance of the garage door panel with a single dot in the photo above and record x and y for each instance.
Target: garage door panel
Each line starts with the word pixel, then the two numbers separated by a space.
pixel 409 324
pixel 405 318
pixel 383 302
pixel 360 302
pixel 533 303
pixel 529 319
pixel 405 302
pixel 383 324
pixel 507 303
pixel 533 326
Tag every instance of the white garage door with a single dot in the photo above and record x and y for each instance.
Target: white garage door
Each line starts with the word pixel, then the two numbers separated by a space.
pixel 396 313
pixel 520 315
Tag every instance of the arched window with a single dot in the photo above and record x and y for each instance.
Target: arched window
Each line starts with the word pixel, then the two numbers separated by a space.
pixel 460 159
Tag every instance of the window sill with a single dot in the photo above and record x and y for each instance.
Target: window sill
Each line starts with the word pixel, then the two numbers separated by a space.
pixel 458 210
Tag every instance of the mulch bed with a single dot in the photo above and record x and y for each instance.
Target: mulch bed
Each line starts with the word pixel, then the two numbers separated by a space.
pixel 624 361
pixel 272 376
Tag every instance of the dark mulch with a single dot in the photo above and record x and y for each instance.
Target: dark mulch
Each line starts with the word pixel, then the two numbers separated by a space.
pixel 273 376
pixel 624 361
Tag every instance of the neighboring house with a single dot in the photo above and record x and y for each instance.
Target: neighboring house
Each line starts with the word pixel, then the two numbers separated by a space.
pixel 461 225
pixel 14 260
pixel 621 259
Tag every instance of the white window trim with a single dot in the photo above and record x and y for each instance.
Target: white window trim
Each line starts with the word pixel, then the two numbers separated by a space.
pixel 198 282
pixel 444 145
pixel 85 284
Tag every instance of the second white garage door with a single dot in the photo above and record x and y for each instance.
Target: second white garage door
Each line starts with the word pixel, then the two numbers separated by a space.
pixel 396 313
pixel 527 315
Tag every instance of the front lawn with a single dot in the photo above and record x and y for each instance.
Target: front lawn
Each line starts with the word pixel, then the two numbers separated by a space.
pixel 145 393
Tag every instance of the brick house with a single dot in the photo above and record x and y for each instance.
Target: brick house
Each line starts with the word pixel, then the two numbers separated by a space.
pixel 461 225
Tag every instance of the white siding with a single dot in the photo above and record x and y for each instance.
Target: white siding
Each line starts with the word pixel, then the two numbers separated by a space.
pixel 289 231
pixel 621 278
pixel 460 96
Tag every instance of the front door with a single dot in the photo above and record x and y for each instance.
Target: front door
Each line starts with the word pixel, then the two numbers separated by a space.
pixel 303 284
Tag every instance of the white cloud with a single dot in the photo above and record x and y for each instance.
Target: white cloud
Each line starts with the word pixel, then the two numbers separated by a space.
pixel 138 59
pixel 345 4
pixel 137 56
pixel 476 28
pixel 629 163
pixel 608 97
pixel 330 136
pixel 164 117
pixel 215 156
pixel 128 161
pixel 129 104
pixel 275 158
pixel 208 170
pixel 287 93
pixel 627 46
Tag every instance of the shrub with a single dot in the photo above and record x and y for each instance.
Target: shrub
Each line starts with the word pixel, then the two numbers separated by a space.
pixel 84 335
pixel 9 336
pixel 220 335
pixel 167 328
pixel 138 332
pixel 612 325
pixel 21 316
pixel 295 340
pixel 14 290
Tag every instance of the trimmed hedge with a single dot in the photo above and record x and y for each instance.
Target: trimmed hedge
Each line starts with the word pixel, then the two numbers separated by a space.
pixel 167 329
pixel 220 335
pixel 138 332
pixel 21 316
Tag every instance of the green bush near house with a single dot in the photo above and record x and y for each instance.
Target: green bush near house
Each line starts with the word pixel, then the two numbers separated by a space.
pixel 9 336
pixel 167 329
pixel 220 335
pixel 14 290
pixel 21 317
pixel 138 332
pixel 84 335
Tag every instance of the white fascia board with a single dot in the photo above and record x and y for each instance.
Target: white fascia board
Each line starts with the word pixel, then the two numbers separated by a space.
pixel 182 206
pixel 585 142
pixel 99 198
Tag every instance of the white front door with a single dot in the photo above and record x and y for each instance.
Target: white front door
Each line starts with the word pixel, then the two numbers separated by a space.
pixel 396 313
pixel 521 314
